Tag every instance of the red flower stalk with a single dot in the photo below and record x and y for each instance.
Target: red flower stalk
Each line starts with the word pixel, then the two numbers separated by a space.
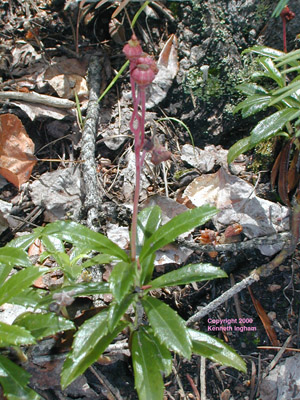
pixel 142 72
pixel 286 16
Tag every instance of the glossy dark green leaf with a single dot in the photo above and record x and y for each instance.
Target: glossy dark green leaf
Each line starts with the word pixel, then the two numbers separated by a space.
pixel 280 6
pixel 187 274
pixel 253 104
pixel 147 377
pixel 289 58
pixel 4 272
pixel 240 147
pixel 163 355
pixel 272 124
pixel 121 279
pixel 176 226
pixel 273 72
pixel 53 243
pixel 11 335
pixel 42 325
pixel 284 93
pixel 149 220
pixel 225 354
pixel 19 281
pixel 85 238
pixel 147 267
pixel 98 259
pixel 264 51
pixel 14 257
pixel 24 241
pixel 117 310
pixel 28 297
pixel 14 380
pixel 89 343
pixel 167 326
pixel 78 289
pixel 251 89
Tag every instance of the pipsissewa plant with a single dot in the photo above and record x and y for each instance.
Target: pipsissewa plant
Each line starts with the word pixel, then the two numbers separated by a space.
pixel 154 329
pixel 275 86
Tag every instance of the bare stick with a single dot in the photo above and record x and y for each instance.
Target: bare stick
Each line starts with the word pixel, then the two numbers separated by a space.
pixel 88 145
pixel 236 247
pixel 254 277
pixel 38 98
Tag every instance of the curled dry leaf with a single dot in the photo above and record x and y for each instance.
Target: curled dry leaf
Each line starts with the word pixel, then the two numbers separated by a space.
pixel 167 70
pixel 16 150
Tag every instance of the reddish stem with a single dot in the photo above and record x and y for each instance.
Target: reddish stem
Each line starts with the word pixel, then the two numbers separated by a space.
pixel 284 34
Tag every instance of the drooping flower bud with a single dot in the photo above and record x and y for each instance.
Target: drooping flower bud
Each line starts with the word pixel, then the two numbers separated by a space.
pixel 160 154
pixel 145 71
pixel 287 14
pixel 132 49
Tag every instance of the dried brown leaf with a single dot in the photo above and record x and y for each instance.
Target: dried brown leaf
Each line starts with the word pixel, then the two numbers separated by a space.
pixel 16 150
pixel 283 174
pixel 265 320
pixel 293 174
pixel 120 8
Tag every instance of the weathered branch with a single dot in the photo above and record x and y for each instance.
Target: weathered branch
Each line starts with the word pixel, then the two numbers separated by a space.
pixel 88 145
pixel 38 99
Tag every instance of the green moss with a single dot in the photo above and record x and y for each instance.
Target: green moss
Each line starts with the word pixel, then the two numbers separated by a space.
pixel 178 174
pixel 263 156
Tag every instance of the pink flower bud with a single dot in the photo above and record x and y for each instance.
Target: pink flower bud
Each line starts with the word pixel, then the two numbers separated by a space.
pixel 160 154
pixel 145 70
pixel 133 49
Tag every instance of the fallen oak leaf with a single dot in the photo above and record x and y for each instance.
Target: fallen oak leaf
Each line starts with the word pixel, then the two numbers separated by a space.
pixel 16 150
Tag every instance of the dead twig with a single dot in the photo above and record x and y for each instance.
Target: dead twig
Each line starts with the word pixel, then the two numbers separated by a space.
pixel 283 237
pixel 88 145
pixel 38 99
pixel 254 277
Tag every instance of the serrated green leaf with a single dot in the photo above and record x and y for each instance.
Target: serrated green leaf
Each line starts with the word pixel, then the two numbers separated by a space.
pixel 289 58
pixel 14 256
pixel 147 377
pixel 252 105
pixel 187 274
pixel 251 89
pixel 280 6
pixel 163 355
pixel 28 297
pixel 4 272
pixel 14 381
pixel 147 267
pixel 24 241
pixel 42 325
pixel 225 355
pixel 240 147
pixel 20 281
pixel 53 244
pixel 273 72
pixel 121 279
pixel 78 289
pixel 176 226
pixel 89 343
pixel 14 335
pixel 84 238
pixel 149 220
pixel 98 259
pixel 285 92
pixel 268 127
pixel 167 326
pixel 264 51
pixel 117 310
